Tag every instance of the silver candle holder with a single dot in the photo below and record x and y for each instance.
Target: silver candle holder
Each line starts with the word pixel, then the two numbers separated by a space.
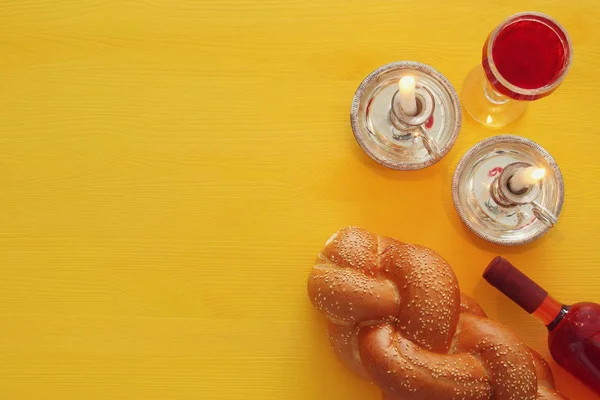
pixel 491 206
pixel 392 137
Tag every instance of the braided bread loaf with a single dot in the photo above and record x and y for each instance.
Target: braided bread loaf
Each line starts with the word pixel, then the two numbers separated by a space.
pixel 396 317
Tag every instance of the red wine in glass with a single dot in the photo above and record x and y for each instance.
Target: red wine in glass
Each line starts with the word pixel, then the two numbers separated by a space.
pixel 573 331
pixel 527 56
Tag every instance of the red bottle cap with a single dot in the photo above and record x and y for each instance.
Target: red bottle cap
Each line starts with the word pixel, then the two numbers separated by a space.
pixel 514 284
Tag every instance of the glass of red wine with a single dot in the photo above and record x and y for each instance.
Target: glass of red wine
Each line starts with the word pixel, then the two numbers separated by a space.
pixel 525 58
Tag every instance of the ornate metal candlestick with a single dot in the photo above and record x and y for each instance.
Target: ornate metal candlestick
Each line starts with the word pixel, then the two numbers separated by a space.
pixel 508 190
pixel 396 138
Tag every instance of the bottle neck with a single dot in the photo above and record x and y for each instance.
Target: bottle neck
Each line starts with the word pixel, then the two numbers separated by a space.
pixel 526 293
pixel 550 312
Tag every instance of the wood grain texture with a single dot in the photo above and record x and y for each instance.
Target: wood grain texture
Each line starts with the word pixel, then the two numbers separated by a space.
pixel 169 170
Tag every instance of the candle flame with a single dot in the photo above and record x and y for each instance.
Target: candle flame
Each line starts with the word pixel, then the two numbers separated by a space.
pixel 489 119
pixel 407 83
pixel 538 174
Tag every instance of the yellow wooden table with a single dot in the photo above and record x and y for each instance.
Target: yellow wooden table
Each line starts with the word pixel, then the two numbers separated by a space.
pixel 169 170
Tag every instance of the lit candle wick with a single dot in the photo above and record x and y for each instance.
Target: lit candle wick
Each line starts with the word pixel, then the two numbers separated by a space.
pixel 408 101
pixel 524 178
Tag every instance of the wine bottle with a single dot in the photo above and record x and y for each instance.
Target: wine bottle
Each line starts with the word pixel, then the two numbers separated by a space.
pixel 573 331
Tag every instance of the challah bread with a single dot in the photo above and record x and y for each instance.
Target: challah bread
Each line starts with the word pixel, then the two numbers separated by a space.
pixel 396 317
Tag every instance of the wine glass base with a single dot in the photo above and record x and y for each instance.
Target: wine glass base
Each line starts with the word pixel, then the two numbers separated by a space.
pixel 485 105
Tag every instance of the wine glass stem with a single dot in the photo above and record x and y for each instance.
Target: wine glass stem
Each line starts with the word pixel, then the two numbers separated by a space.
pixel 492 94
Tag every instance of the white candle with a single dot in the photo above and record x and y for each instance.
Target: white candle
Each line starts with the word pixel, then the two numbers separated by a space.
pixel 408 101
pixel 525 177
